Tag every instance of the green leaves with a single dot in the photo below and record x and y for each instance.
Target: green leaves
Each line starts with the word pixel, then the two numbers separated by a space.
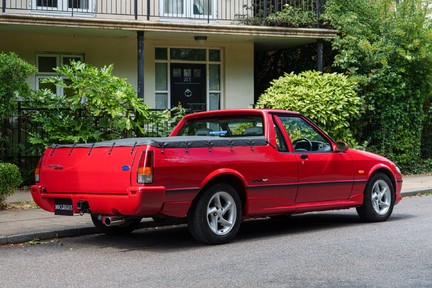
pixel 330 100
pixel 10 179
pixel 388 46
pixel 96 106
pixel 13 82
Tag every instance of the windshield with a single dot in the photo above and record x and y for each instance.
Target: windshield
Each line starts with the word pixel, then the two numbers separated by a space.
pixel 224 127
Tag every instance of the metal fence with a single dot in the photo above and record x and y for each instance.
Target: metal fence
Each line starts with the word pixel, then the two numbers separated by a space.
pixel 15 145
pixel 208 10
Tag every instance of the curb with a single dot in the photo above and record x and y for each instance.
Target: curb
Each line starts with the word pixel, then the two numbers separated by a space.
pixel 74 232
pixel 416 193
pixel 46 235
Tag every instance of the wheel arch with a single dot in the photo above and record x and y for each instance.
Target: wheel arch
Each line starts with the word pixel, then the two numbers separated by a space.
pixel 386 172
pixel 231 178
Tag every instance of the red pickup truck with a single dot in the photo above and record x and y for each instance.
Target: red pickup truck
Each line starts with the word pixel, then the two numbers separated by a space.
pixel 215 169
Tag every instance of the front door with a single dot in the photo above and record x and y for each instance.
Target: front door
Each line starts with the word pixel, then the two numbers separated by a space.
pixel 323 173
pixel 188 86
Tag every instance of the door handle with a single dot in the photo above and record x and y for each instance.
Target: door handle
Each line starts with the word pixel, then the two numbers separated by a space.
pixel 304 156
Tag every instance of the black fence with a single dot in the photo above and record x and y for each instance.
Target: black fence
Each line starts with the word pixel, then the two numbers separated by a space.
pixel 15 145
pixel 207 10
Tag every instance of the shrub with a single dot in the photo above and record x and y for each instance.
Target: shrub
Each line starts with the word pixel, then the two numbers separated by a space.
pixel 292 17
pixel 98 106
pixel 10 179
pixel 330 100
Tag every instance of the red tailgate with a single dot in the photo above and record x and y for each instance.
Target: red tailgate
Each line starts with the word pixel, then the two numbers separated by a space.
pixel 85 170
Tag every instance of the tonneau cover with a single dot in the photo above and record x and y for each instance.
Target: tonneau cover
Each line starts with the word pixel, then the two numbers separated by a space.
pixel 174 142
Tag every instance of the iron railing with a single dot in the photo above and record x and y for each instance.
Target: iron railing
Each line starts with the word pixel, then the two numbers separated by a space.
pixel 199 10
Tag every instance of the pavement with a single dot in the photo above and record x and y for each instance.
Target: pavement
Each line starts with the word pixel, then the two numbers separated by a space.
pixel 34 224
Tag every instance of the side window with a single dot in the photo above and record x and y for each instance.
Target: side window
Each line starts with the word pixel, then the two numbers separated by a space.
pixel 303 136
pixel 46 64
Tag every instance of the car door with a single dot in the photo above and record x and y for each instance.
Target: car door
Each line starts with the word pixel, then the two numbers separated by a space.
pixel 324 174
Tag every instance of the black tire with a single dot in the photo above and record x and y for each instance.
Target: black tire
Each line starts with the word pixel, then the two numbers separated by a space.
pixel 126 228
pixel 215 217
pixel 379 198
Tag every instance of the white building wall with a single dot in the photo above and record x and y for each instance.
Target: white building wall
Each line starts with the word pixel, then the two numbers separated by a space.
pixel 237 68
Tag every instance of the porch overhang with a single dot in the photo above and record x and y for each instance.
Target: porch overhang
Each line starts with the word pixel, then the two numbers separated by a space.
pixel 264 37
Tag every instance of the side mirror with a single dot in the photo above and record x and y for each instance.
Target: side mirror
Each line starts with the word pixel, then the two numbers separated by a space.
pixel 341 147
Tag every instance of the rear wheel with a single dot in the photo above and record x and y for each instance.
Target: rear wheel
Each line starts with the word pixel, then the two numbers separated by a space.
pixel 127 227
pixel 215 217
pixel 378 199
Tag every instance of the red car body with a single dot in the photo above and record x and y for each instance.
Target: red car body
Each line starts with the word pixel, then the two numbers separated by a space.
pixel 164 177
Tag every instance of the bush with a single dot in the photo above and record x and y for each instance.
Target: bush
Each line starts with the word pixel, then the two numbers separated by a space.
pixel 327 99
pixel 292 17
pixel 10 179
pixel 98 106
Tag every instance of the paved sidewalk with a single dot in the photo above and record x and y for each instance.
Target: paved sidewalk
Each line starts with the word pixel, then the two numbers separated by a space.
pixel 18 226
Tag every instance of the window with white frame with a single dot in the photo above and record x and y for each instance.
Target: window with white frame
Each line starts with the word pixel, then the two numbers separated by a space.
pixel 63 5
pixel 188 8
pixel 46 63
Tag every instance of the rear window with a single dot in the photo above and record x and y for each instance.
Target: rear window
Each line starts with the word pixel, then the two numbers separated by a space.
pixel 224 127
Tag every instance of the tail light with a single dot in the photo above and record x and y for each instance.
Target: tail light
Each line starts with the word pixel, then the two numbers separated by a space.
pixel 145 168
pixel 37 170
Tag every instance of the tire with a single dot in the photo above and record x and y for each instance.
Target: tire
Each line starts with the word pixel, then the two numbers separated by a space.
pixel 126 228
pixel 378 199
pixel 215 217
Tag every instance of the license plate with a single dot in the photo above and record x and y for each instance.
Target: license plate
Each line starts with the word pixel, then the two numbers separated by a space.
pixel 63 206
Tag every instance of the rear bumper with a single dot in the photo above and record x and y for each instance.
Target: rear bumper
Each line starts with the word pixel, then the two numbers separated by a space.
pixel 137 201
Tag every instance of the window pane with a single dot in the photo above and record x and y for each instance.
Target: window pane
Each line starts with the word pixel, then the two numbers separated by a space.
pixel 214 99
pixel 81 4
pixel 161 76
pixel 67 91
pixel 214 55
pixel 202 7
pixel 214 77
pixel 161 54
pixel 173 6
pixel 66 60
pixel 161 101
pixel 47 3
pixel 188 54
pixel 48 86
pixel 47 63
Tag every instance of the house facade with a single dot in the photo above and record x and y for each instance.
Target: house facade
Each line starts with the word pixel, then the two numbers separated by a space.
pixel 199 53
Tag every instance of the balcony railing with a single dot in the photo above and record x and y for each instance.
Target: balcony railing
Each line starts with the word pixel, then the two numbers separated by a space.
pixel 159 10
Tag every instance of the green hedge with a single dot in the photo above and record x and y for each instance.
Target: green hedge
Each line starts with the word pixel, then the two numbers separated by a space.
pixel 330 100
pixel 10 179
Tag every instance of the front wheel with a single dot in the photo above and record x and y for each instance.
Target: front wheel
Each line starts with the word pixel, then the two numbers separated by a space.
pixel 215 217
pixel 378 199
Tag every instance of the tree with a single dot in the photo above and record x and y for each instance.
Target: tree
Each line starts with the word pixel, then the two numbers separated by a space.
pixel 13 82
pixel 388 47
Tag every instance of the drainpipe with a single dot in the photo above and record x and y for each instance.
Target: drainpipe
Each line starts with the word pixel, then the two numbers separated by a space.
pixel 4 6
pixel 140 83
pixel 320 43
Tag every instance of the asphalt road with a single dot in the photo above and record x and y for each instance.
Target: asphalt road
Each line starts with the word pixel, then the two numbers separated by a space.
pixel 327 249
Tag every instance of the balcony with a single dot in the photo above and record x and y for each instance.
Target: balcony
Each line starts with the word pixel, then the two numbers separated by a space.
pixel 241 12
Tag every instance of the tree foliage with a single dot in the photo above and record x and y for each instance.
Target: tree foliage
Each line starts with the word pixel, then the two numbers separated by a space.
pixel 388 47
pixel 96 106
pixel 329 99
pixel 13 82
